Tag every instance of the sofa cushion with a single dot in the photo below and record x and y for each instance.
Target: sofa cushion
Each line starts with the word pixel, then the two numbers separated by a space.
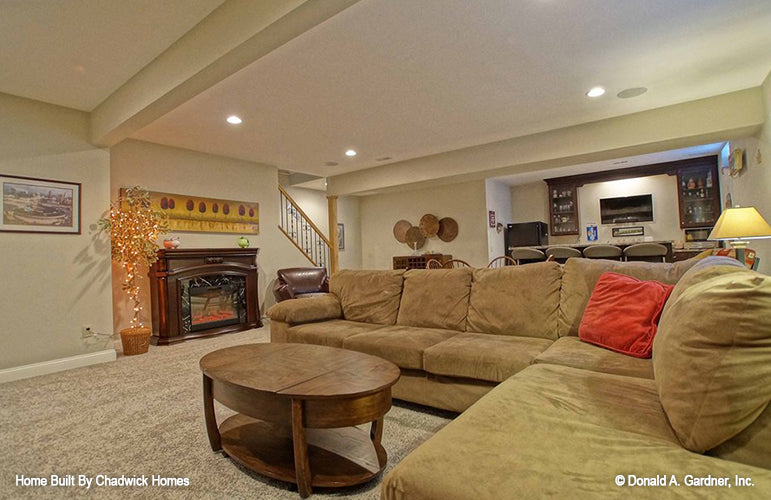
pixel 401 345
pixel 580 275
pixel 435 298
pixel 328 333
pixel 557 432
pixel 751 446
pixel 317 308
pixel 516 300
pixel 623 313
pixel 482 356
pixel 368 296
pixel 448 393
pixel 715 333
pixel 573 352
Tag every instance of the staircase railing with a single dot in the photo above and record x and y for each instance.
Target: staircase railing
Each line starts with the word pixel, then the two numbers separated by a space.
pixel 301 231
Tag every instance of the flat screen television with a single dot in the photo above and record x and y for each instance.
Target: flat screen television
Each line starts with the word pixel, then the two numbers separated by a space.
pixel 626 209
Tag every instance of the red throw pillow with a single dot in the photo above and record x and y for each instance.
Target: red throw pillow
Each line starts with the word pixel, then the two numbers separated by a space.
pixel 623 313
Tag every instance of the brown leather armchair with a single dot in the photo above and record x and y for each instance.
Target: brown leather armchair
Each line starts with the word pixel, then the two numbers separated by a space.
pixel 294 282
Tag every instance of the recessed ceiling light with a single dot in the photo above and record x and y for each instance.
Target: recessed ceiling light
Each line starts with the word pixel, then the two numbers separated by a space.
pixel 233 120
pixel 383 158
pixel 595 92
pixel 350 152
pixel 631 92
pixel 331 163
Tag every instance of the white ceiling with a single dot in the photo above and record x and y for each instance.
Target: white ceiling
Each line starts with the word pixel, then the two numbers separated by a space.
pixel 406 78
pixel 395 78
pixel 76 53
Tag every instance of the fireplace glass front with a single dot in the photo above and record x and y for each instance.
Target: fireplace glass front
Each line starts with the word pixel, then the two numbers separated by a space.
pixel 213 301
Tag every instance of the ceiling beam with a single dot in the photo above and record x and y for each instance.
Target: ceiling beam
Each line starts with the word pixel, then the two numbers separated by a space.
pixel 663 168
pixel 233 36
pixel 693 123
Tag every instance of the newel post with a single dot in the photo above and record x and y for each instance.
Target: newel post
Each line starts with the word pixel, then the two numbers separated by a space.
pixel 334 262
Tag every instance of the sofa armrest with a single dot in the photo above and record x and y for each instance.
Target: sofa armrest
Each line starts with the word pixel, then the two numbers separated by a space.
pixel 306 310
pixel 282 291
pixel 293 282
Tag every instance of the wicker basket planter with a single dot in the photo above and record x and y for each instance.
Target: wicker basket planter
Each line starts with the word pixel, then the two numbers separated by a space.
pixel 135 340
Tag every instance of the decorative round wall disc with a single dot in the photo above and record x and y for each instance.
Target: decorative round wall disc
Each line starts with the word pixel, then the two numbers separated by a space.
pixel 429 225
pixel 400 230
pixel 448 229
pixel 415 238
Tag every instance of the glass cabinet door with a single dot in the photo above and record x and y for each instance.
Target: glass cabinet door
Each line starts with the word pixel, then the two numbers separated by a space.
pixel 563 205
pixel 699 197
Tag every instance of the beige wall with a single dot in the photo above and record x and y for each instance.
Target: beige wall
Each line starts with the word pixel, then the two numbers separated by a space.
pixel 53 284
pixel 463 202
pixel 529 203
pixel 753 186
pixel 498 197
pixel 666 217
pixel 348 214
pixel 162 168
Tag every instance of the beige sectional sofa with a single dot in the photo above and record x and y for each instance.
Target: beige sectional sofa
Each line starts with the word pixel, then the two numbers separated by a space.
pixel 457 333
pixel 545 414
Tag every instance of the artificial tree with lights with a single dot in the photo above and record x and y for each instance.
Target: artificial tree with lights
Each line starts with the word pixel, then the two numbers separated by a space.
pixel 134 229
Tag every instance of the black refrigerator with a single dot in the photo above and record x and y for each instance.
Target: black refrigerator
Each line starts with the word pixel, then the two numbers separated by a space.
pixel 526 234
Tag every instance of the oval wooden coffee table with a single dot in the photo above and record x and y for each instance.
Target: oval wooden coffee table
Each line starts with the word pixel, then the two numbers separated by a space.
pixel 297 405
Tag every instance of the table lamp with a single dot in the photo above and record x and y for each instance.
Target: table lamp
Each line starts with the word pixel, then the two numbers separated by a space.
pixel 740 224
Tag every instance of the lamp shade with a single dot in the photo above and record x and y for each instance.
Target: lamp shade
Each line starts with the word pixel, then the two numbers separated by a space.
pixel 740 223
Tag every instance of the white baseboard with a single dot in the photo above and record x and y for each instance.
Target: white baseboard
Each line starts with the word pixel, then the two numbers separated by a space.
pixel 56 365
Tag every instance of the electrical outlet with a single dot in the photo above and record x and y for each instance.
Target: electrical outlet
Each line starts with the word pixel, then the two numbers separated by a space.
pixel 86 331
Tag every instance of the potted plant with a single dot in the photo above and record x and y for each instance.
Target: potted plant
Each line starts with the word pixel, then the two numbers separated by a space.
pixel 134 229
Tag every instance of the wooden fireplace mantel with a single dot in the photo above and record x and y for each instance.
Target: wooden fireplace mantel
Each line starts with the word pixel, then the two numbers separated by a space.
pixel 175 267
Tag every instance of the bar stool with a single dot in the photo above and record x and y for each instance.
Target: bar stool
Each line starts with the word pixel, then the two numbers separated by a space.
pixel 649 252
pixel 526 255
pixel 562 254
pixel 603 252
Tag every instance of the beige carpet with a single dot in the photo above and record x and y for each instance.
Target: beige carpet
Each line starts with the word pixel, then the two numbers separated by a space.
pixel 142 415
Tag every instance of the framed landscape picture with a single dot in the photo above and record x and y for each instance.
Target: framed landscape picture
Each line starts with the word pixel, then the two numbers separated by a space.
pixel 29 205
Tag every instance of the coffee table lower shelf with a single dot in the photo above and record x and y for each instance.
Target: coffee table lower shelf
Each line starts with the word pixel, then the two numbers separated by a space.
pixel 338 457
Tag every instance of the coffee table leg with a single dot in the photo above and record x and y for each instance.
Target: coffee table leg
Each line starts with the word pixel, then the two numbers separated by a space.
pixel 376 431
pixel 208 413
pixel 302 465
